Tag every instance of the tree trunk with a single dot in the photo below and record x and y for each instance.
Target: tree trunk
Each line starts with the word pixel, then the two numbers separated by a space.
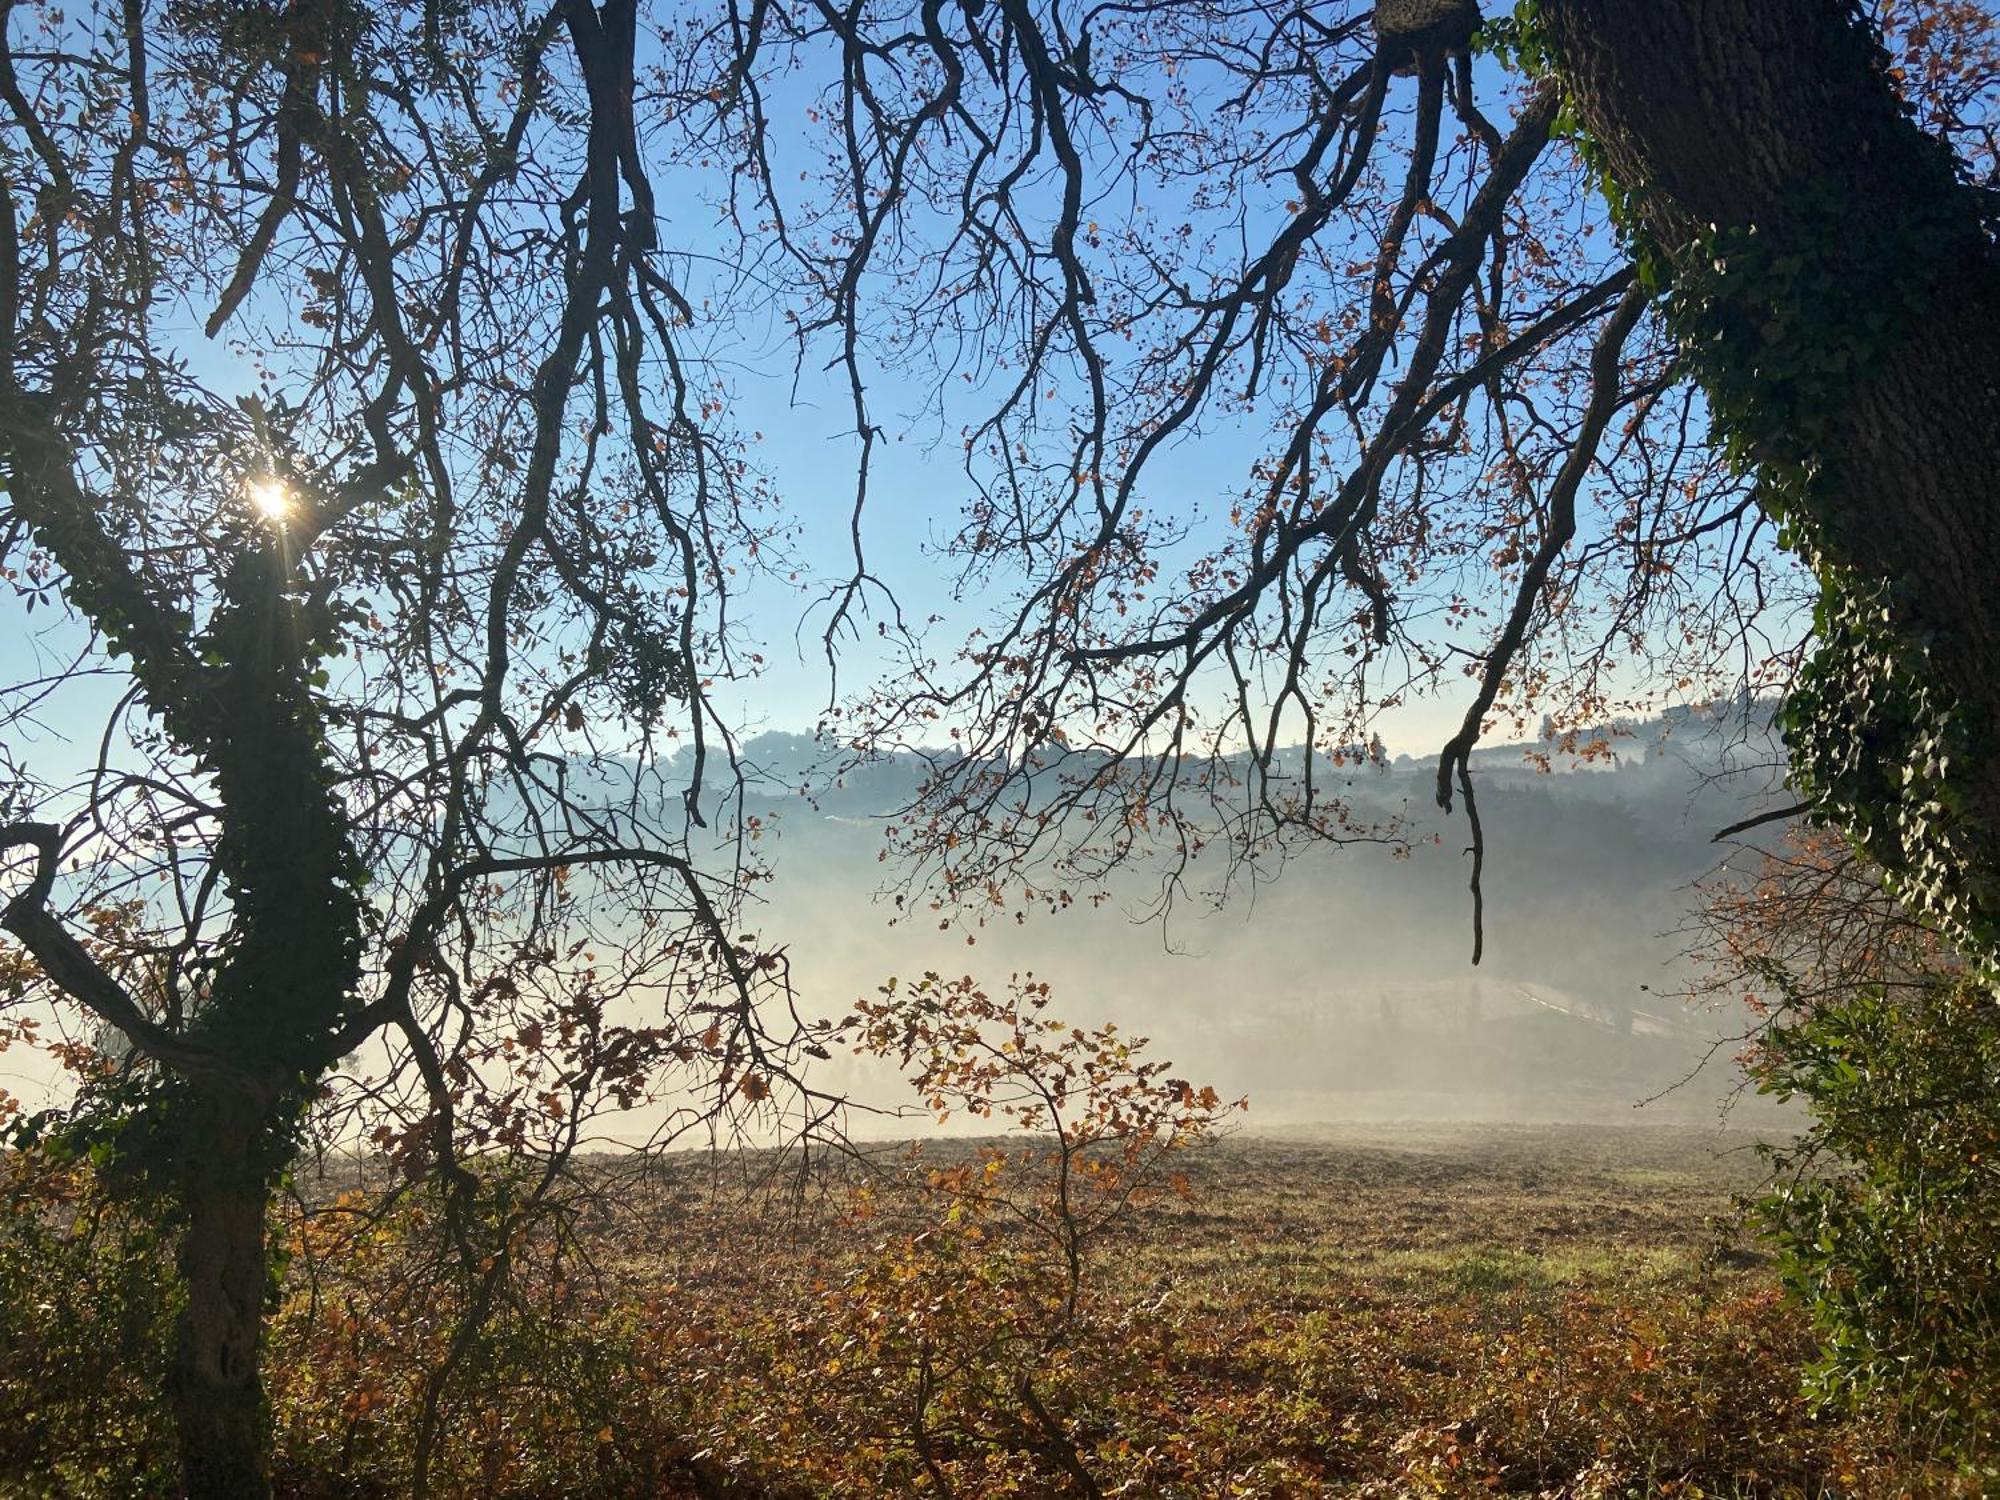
pixel 1775 117
pixel 217 1394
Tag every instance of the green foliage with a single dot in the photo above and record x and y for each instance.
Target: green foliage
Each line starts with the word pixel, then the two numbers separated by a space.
pixel 1516 40
pixel 1897 787
pixel 85 1310
pixel 1105 1118
pixel 148 1136
pixel 1779 336
pixel 1897 1255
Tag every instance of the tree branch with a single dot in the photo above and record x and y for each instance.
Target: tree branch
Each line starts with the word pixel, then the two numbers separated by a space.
pixel 69 966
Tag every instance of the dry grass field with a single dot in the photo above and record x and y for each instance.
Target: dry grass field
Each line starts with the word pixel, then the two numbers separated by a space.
pixel 1557 1311
pixel 1391 1310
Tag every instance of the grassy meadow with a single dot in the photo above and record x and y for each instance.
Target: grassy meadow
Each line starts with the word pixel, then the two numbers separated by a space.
pixel 1390 1310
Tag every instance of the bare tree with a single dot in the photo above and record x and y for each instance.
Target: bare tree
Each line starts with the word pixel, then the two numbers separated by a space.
pixel 1418 296
pixel 400 594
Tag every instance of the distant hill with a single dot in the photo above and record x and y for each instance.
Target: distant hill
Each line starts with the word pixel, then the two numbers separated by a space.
pixel 1345 980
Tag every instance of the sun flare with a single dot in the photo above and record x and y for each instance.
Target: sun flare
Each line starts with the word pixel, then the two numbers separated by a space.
pixel 270 498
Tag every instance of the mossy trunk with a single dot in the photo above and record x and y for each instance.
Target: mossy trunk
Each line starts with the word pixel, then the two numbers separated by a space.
pixel 1837 288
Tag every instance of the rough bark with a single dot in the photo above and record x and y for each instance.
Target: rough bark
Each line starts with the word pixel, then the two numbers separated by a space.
pixel 217 1393
pixel 1776 116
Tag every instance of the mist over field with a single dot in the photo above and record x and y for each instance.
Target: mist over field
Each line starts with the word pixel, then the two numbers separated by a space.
pixel 1344 989
pixel 1332 983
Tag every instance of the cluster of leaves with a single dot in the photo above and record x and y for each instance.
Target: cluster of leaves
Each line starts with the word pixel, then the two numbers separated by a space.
pixel 965 1345
pixel 1886 1212
pixel 394 1372
pixel 1899 789
pixel 84 1307
pixel 1897 1252
pixel 1102 1119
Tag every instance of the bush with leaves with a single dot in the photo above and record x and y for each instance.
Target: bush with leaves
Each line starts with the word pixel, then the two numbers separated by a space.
pixel 84 1316
pixel 973 1323
pixel 1886 1211
pixel 399 1369
pixel 1099 1122
pixel 1897 1251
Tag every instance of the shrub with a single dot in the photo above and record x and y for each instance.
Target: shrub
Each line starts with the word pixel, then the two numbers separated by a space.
pixel 85 1314
pixel 1896 1249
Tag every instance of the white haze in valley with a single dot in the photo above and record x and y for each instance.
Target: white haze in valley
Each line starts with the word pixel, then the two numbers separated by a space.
pixel 1342 988
pixel 1339 989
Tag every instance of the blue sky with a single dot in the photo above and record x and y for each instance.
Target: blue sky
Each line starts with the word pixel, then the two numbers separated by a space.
pixel 806 446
